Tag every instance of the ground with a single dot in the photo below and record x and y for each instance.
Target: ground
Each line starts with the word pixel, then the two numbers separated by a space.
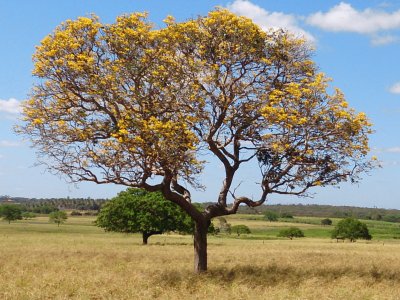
pixel 77 260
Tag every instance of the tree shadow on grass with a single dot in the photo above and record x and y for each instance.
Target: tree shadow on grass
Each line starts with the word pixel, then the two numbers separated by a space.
pixel 272 275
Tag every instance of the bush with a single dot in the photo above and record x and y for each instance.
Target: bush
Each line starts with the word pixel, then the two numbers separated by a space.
pixel 58 217
pixel 351 229
pixel 28 215
pixel 224 226
pixel 271 216
pixel 44 209
pixel 240 229
pixel 391 218
pixel 291 232
pixel 326 222
pixel 286 215
pixel 76 213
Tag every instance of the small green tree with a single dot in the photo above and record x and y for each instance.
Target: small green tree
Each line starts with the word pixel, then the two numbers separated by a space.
pixel 149 213
pixel 351 229
pixel 271 216
pixel 286 215
pixel 326 222
pixel 224 226
pixel 10 212
pixel 28 215
pixel 291 232
pixel 76 213
pixel 58 217
pixel 240 229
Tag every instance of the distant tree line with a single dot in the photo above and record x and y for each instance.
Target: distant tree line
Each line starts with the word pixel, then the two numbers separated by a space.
pixel 46 206
pixel 326 211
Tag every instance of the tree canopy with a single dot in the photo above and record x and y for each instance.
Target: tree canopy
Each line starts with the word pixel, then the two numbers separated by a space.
pixel 129 104
pixel 58 217
pixel 10 212
pixel 326 221
pixel 136 210
pixel 351 229
pixel 240 229
pixel 271 216
pixel 291 232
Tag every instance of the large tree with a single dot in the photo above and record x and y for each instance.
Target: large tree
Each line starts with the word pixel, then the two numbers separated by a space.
pixel 10 212
pixel 351 229
pixel 136 210
pixel 128 104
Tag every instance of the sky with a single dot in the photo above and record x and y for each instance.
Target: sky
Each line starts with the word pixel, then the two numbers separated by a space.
pixel 357 44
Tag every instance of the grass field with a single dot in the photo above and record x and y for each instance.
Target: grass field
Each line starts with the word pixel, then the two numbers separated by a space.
pixel 79 261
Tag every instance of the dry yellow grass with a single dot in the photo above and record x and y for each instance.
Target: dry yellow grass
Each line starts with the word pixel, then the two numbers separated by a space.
pixel 78 261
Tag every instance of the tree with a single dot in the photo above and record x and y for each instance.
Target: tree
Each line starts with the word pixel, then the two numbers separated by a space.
pixel 224 226
pixel 391 218
pixel 351 229
pixel 326 221
pixel 10 212
pixel 240 229
pixel 75 213
pixel 58 217
pixel 271 216
pixel 28 215
pixel 291 233
pixel 128 104
pixel 136 210
pixel 286 215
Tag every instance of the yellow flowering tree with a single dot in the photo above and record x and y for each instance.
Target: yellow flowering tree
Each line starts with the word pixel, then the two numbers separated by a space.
pixel 128 104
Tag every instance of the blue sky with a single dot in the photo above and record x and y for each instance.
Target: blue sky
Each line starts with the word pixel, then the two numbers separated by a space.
pixel 357 44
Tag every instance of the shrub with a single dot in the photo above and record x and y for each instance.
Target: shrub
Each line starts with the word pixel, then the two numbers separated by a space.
pixel 271 216
pixel 58 217
pixel 28 215
pixel 76 213
pixel 291 232
pixel 391 218
pixel 224 226
pixel 286 215
pixel 240 229
pixel 326 221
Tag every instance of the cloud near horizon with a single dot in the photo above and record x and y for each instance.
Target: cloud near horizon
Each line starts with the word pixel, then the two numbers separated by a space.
pixel 6 144
pixel 266 19
pixel 10 106
pixel 344 18
pixel 395 88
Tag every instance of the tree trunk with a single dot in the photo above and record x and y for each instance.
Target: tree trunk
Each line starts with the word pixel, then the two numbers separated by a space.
pixel 200 246
pixel 146 235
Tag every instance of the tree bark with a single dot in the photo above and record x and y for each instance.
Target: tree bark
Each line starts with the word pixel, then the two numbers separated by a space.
pixel 200 246
pixel 146 235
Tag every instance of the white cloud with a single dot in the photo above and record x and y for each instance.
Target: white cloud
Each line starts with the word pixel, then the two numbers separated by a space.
pixel 388 150
pixel 395 88
pixel 383 40
pixel 343 17
pixel 11 106
pixel 393 150
pixel 266 19
pixel 5 143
